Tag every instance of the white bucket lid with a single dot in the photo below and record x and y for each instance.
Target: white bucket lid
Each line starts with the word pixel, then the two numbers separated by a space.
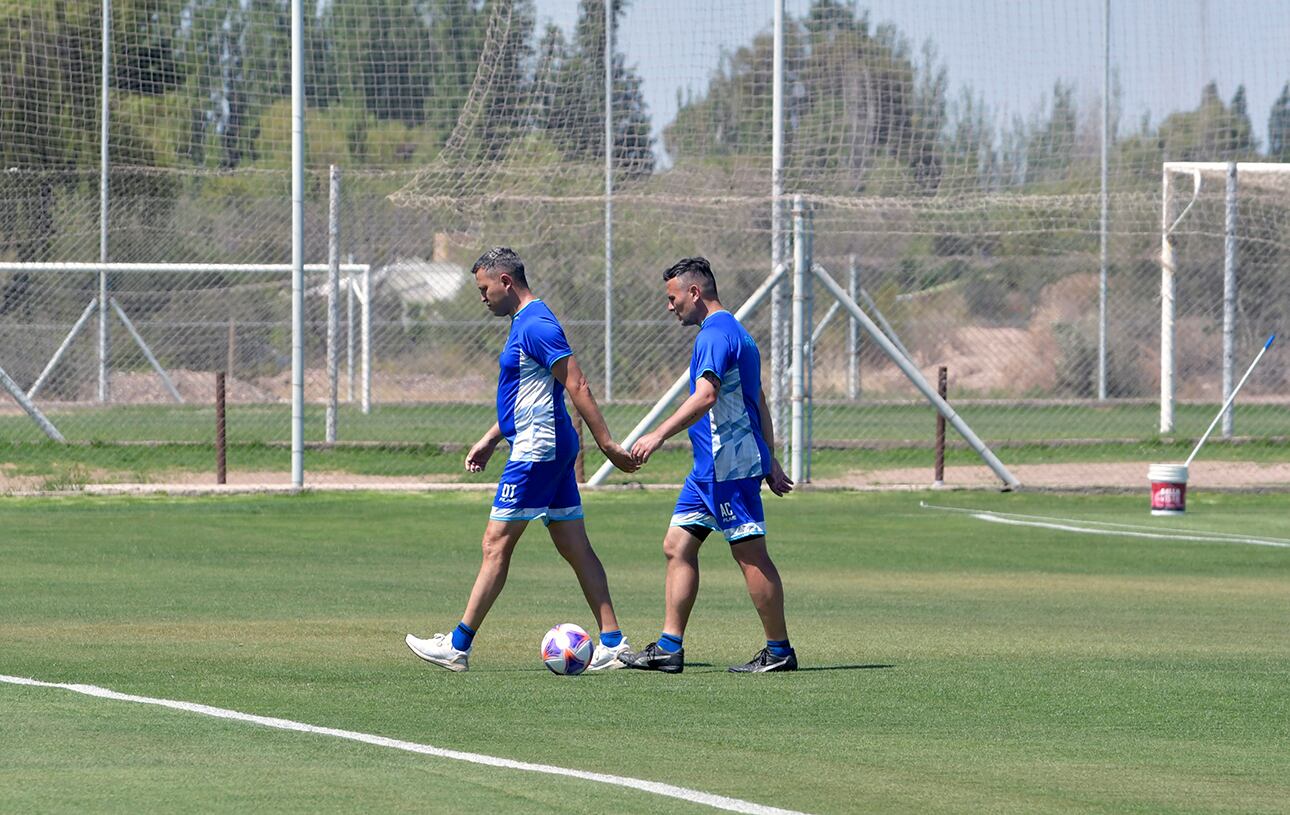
pixel 1170 473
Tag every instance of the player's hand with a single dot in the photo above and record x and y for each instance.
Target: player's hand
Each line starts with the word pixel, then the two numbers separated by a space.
pixel 779 483
pixel 645 447
pixel 619 457
pixel 477 458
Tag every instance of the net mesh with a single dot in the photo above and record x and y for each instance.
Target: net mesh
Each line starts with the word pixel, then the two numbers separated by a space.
pixel 950 160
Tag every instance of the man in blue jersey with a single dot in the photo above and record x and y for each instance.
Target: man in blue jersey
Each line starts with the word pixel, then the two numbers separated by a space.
pixel 731 433
pixel 536 368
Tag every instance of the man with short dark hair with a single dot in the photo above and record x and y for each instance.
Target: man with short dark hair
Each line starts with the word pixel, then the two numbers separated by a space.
pixel 733 439
pixel 537 366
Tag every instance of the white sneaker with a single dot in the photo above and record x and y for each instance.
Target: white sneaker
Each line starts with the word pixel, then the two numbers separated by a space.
pixel 605 658
pixel 438 650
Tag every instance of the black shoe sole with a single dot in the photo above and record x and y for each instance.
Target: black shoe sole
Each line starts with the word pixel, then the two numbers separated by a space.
pixel 667 669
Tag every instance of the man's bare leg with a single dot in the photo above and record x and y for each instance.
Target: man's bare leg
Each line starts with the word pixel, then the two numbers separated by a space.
pixel 764 585
pixel 499 542
pixel 681 587
pixel 570 539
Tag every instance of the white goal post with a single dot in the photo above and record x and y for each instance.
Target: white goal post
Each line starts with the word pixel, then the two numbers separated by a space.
pixel 1201 174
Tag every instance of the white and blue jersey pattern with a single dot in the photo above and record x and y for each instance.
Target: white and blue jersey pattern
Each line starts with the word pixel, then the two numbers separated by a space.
pixel 539 479
pixel 723 491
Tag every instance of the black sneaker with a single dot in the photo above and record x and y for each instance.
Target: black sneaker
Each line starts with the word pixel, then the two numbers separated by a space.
pixel 765 662
pixel 654 658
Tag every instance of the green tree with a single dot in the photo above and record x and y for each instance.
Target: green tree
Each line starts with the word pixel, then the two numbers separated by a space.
pixel 575 111
pixel 1279 126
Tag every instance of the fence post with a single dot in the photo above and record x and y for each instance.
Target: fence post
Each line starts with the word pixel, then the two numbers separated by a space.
pixel 801 267
pixel 105 340
pixel 609 200
pixel 853 333
pixel 333 300
pixel 221 460
pixel 942 388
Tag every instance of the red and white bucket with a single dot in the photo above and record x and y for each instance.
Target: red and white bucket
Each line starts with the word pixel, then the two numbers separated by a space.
pixel 1168 488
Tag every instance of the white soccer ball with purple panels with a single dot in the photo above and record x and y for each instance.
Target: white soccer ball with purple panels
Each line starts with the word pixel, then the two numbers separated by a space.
pixel 566 649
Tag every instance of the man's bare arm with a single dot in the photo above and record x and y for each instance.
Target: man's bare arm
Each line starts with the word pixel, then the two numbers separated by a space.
pixel 569 374
pixel 690 411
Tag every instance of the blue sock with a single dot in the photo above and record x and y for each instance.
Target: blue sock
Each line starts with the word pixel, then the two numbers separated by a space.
pixel 778 648
pixel 611 639
pixel 462 636
pixel 669 643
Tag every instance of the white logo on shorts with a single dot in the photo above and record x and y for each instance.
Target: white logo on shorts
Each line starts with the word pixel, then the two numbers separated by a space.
pixel 727 512
pixel 508 492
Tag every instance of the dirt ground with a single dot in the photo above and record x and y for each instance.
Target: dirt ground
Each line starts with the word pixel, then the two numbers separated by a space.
pixel 1091 475
pixel 1126 476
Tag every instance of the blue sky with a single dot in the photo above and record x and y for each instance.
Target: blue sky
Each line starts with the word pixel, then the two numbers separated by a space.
pixel 1010 52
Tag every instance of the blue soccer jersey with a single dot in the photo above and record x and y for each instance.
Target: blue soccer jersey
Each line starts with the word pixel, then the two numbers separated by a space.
pixel 530 400
pixel 728 445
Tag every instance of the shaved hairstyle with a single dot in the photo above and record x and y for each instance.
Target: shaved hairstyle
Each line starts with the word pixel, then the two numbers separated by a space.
pixel 502 259
pixel 696 271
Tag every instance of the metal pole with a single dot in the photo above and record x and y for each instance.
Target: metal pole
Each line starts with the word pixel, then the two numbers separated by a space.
pixel 46 426
pixel 750 305
pixel 808 336
pixel 297 244
pixel 105 341
pixel 350 283
pixel 1229 295
pixel 147 352
pixel 609 200
pixel 778 355
pixel 942 389
pixel 365 317
pixel 853 334
pixel 916 376
pixel 797 433
pixel 1166 312
pixel 221 457
pixel 62 349
pixel 333 300
pixel 1106 136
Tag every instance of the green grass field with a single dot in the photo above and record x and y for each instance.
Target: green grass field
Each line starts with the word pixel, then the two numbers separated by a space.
pixel 949 664
pixel 409 441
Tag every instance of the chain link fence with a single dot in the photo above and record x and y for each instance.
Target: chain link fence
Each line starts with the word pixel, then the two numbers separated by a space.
pixel 950 159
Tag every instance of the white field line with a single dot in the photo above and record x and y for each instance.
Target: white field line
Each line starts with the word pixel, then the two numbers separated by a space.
pixel 652 787
pixel 1107 528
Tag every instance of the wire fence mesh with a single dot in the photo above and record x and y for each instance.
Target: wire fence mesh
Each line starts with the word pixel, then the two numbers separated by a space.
pixel 950 156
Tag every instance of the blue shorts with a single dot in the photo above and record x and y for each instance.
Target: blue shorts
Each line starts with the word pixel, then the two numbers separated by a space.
pixel 529 490
pixel 732 508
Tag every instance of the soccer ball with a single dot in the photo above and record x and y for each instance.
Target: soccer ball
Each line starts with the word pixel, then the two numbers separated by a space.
pixel 566 649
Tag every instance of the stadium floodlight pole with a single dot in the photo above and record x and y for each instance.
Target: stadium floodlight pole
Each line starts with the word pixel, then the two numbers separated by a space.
pixel 1229 295
pixel 911 371
pixel 105 385
pixel 1106 135
pixel 777 253
pixel 297 243
pixel 749 306
pixel 333 300
pixel 609 200
pixel 46 426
